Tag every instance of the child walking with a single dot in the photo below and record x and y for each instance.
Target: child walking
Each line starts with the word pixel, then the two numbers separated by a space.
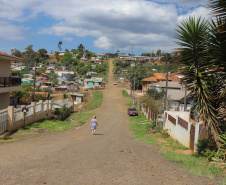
pixel 93 125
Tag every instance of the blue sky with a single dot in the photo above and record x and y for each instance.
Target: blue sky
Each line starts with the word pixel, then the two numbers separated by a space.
pixel 100 25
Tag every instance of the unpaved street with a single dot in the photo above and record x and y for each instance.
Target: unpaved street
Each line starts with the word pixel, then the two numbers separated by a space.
pixel 78 157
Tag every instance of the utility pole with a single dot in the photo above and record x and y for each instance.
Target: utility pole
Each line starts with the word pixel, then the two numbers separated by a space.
pixel 133 90
pixel 165 100
pixel 33 95
pixel 185 99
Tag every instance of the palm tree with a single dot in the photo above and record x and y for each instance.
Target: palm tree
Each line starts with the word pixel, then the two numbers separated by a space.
pixel 200 69
pixel 218 7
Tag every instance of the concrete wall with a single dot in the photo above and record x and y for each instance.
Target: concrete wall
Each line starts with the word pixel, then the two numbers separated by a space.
pixel 178 132
pixel 4 100
pixel 5 66
pixel 184 115
pixel 12 125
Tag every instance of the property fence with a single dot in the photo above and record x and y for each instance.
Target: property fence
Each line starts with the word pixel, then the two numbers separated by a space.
pixel 18 116
pixel 183 131
pixel 3 120
pixel 29 111
pixel 38 107
pixel 12 119
pixel 151 115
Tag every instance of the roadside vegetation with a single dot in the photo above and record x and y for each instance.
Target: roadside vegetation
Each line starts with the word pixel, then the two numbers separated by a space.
pixel 95 100
pixel 147 132
pixel 50 126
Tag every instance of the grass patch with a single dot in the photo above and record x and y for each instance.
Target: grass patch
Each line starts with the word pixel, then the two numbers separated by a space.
pixel 195 165
pixel 10 140
pixel 50 125
pixel 81 118
pixel 95 100
pixel 124 93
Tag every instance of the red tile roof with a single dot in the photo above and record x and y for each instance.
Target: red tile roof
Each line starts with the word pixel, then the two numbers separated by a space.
pixel 160 76
pixel 174 79
pixel 151 79
pixel 8 55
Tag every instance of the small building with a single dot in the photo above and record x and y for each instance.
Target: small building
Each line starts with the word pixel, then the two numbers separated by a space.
pixel 175 98
pixel 78 98
pixel 60 89
pixel 91 73
pixel 28 80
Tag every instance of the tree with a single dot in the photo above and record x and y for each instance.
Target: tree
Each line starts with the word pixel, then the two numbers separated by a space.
pixel 59 45
pixel 43 53
pixel 57 55
pixel 158 52
pixel 81 48
pixel 29 56
pixel 74 51
pixel 201 70
pixel 67 59
pixel 16 52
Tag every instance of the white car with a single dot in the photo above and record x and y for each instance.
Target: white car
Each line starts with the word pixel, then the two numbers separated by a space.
pixel 115 83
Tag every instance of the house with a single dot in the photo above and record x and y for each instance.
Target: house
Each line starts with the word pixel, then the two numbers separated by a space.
pixel 127 59
pixel 72 86
pixel 175 99
pixel 78 98
pixel 91 83
pixel 46 83
pixel 7 83
pixel 63 74
pixel 162 85
pixel 28 80
pixel 60 89
pixel 91 73
pixel 158 77
pixel 43 76
pixel 98 62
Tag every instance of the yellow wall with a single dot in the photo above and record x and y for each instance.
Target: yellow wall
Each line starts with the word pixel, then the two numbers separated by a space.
pixel 5 66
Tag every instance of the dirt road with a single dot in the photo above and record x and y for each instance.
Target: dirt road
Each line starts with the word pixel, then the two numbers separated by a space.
pixel 78 157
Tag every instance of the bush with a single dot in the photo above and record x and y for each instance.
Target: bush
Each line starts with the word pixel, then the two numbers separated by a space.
pixel 152 125
pixel 63 113
pixel 202 145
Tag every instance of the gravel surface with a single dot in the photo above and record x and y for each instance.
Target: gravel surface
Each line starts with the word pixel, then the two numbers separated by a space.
pixel 111 156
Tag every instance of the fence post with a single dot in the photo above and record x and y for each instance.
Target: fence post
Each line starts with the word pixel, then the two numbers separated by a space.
pixel 10 118
pixel 33 104
pixel 47 102
pixel 51 103
pixel 197 134
pixel 41 101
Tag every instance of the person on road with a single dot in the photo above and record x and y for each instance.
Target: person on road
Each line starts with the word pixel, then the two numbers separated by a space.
pixel 93 125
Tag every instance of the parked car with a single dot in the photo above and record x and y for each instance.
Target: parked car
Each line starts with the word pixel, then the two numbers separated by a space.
pixel 115 83
pixel 132 111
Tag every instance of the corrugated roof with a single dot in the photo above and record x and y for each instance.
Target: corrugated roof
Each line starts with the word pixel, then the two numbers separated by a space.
pixel 176 94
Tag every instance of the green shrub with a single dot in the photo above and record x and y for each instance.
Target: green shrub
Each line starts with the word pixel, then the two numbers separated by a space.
pixel 151 125
pixel 202 145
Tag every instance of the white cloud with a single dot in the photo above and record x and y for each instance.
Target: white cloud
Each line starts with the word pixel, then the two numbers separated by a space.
pixel 185 3
pixel 198 12
pixel 119 23
pixel 11 32
pixel 69 39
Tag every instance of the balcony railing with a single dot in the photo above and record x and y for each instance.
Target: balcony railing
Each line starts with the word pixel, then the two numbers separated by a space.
pixel 10 81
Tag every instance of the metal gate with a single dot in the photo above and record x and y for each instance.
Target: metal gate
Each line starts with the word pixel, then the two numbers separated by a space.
pixel 3 120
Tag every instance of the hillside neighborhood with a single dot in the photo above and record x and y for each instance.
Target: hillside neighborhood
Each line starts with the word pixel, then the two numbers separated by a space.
pixel 159 117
